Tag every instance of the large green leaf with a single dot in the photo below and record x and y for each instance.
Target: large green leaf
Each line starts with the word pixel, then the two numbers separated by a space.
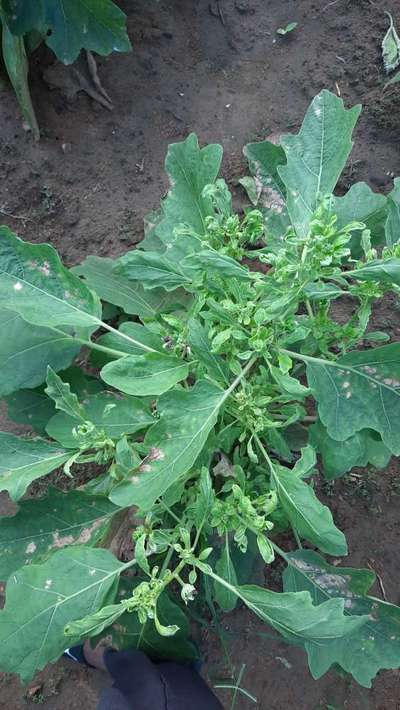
pixel 35 284
pixel 387 271
pixel 24 460
pixel 367 649
pixel 151 269
pixel 359 391
pixel 312 520
pixel 98 25
pixel 42 599
pixel 46 524
pixel 361 204
pixel 111 413
pixel 186 419
pixel 189 169
pixel 316 156
pixel 143 375
pixel 26 351
pixel 99 274
pixel 16 62
pixel 294 615
pixel 392 225
pixel 363 448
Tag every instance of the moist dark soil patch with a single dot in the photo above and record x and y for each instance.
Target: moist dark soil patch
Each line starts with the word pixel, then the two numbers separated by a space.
pixel 219 69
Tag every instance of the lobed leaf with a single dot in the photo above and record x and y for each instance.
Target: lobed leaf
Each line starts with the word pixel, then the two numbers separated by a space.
pixel 97 25
pixel 370 646
pixel 316 156
pixel 363 448
pixel 359 391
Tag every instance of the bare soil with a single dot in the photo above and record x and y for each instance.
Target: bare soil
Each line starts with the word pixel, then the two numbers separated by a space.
pixel 217 68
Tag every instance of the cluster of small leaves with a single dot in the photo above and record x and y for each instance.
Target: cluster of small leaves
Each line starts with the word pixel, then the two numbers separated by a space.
pixel 218 386
pixel 66 26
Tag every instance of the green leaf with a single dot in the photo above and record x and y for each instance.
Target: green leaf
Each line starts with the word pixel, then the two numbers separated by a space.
pixel 97 25
pixel 63 398
pixel 294 615
pixel 392 225
pixel 213 262
pixel 121 346
pixel 225 597
pixel 46 524
pixel 321 291
pixel 289 384
pixel 374 645
pixel 99 274
pixel 204 499
pixel 128 632
pixel 289 28
pixel 359 391
pixel 361 204
pixel 387 271
pixel 189 169
pixel 390 47
pixel 264 158
pixel 186 419
pixel 16 63
pixel 312 520
pixel 41 599
pixel 35 284
pixel 363 448
pixel 94 624
pixel 30 407
pixel 151 269
pixel 316 156
pixel 27 351
pixel 111 414
pixel 24 460
pixel 265 549
pixel 142 375
pixel 201 347
pixel 306 463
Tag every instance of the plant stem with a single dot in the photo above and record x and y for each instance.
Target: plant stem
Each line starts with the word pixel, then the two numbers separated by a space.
pixel 264 453
pixel 309 308
pixel 296 537
pixel 168 510
pixel 126 337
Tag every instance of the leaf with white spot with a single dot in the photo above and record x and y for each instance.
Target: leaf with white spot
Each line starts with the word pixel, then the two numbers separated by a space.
pixel 42 599
pixel 35 284
pixel 24 460
pixel 360 390
pixel 316 156
pixel 186 419
pixel 47 524
pixel 372 646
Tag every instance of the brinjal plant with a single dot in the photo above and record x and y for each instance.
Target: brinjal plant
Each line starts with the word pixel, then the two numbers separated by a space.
pixel 218 387
pixel 66 26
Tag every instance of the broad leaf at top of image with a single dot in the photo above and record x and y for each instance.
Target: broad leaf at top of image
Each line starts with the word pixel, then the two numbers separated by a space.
pixel 180 398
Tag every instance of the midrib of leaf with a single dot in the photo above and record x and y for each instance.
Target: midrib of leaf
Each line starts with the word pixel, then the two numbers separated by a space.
pixel 300 512
pixel 194 194
pixel 36 460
